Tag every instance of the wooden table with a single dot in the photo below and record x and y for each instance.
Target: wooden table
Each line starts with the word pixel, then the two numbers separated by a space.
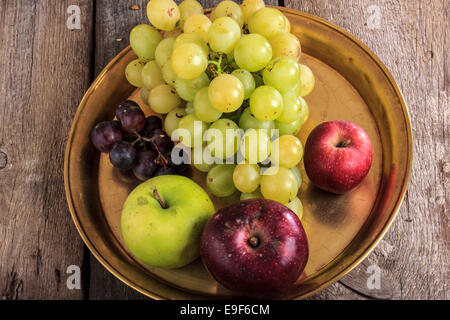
pixel 45 68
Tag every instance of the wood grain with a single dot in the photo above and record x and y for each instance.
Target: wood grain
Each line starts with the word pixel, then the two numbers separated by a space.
pixel 45 69
pixel 412 40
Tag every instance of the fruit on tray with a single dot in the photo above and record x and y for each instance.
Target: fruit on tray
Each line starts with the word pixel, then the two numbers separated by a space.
pixel 231 83
pixel 257 248
pixel 247 177
pixel 287 151
pixel 338 155
pixel 296 206
pixel 163 219
pixel 230 89
pixel 279 184
pixel 164 14
pixel 106 134
pixel 220 180
pixel 139 143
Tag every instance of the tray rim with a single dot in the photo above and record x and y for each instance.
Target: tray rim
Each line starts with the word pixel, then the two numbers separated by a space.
pixel 405 110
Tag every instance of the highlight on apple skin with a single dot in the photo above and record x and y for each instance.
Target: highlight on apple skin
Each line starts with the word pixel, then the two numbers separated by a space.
pixel 338 156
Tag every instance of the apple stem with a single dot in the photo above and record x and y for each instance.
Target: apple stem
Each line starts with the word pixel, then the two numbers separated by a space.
pixel 343 144
pixel 160 200
pixel 253 241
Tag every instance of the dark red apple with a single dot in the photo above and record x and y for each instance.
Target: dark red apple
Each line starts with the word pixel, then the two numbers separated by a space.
pixel 338 156
pixel 257 248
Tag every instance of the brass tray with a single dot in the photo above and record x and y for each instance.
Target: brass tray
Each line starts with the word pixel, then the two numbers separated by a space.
pixel 351 84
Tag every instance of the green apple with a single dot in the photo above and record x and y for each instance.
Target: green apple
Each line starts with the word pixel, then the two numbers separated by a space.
pixel 163 219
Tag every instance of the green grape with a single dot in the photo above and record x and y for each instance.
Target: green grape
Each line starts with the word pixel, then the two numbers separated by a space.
pixel 163 99
pixel 192 38
pixel 288 128
pixel 306 81
pixel 228 9
pixel 266 103
pixel 249 7
pixel 144 94
pixel 247 81
pixel 226 93
pixel 294 127
pixel 190 131
pixel 133 72
pixel 163 51
pixel 223 138
pixel 168 75
pixel 267 22
pixel 252 52
pixel 292 108
pixel 287 28
pixel 188 8
pixel 143 40
pixel 190 107
pixel 202 159
pixel 282 74
pixel 203 167
pixel 203 109
pixel 286 151
pixel 285 44
pixel 304 110
pixel 151 75
pixel 163 14
pixel 223 35
pixel 220 180
pixel 187 89
pixel 279 184
pixel 189 61
pixel 296 206
pixel 255 145
pixel 252 195
pixel 298 176
pixel 173 119
pixel 246 177
pixel 248 121
pixel 198 24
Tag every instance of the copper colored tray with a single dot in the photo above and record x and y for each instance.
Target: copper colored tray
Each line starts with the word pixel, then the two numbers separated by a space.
pixel 351 84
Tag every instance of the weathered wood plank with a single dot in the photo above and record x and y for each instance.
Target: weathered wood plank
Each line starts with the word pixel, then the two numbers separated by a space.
pixel 411 38
pixel 114 21
pixel 45 69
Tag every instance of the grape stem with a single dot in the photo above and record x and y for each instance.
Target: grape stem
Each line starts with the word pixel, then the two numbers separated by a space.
pixel 161 159
pixel 139 137
pixel 218 65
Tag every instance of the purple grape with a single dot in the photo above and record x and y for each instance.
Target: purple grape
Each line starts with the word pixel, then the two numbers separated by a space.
pixel 165 171
pixel 152 123
pixel 146 165
pixel 123 155
pixel 179 159
pixel 161 142
pixel 131 116
pixel 126 105
pixel 105 135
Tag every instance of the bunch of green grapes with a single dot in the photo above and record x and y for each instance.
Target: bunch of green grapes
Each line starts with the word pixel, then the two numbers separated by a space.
pixel 233 89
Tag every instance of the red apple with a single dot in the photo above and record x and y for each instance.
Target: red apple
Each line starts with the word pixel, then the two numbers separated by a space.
pixel 338 155
pixel 256 247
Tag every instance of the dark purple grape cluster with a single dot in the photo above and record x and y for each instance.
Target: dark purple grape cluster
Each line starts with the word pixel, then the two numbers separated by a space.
pixel 137 143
